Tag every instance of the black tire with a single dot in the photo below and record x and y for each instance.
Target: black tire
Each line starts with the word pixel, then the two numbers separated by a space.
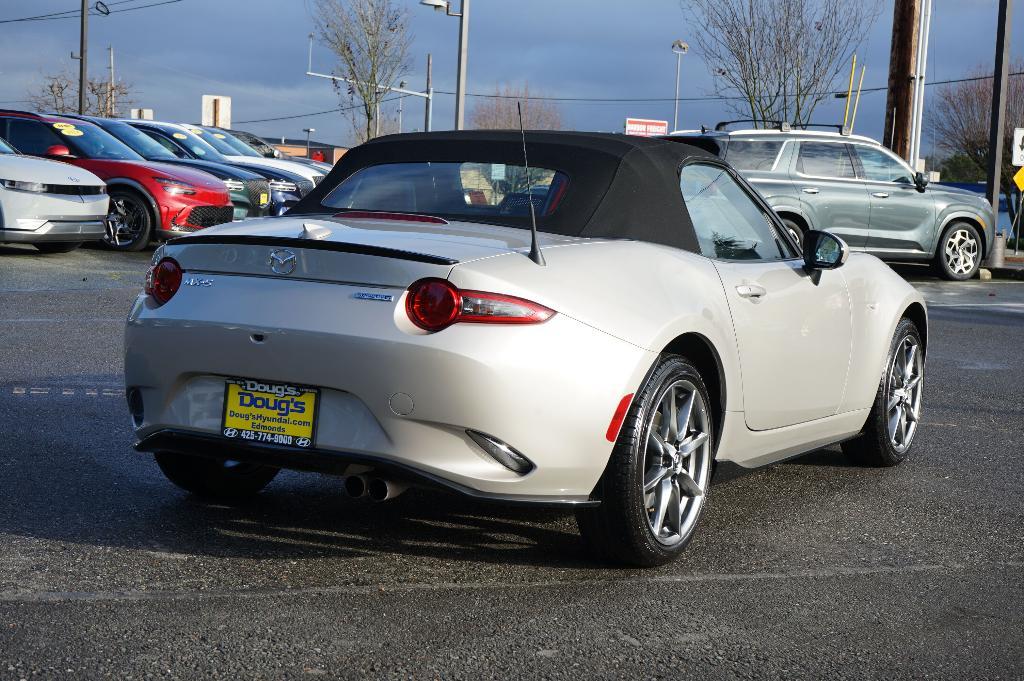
pixel 874 446
pixel 215 480
pixel 131 217
pixel 795 230
pixel 57 246
pixel 619 529
pixel 962 233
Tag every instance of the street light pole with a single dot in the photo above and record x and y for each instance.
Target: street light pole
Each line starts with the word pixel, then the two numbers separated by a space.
pixel 460 86
pixel 401 85
pixel 307 131
pixel 83 53
pixel 995 139
pixel 460 83
pixel 679 48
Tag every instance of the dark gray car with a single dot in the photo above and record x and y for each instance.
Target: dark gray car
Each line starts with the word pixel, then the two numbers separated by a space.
pixel 854 187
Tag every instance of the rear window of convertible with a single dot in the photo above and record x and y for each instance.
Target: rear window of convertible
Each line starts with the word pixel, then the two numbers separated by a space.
pixel 469 189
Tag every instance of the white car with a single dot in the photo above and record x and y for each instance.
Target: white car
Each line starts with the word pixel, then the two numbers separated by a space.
pixel 219 141
pixel 405 324
pixel 52 205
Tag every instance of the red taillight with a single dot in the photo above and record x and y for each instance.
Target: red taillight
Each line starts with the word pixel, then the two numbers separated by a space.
pixel 163 280
pixel 435 304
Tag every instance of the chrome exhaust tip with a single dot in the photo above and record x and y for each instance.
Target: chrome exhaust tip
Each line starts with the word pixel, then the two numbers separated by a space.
pixel 355 485
pixel 380 489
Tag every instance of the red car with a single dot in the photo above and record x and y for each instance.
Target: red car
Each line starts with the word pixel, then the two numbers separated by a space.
pixel 148 201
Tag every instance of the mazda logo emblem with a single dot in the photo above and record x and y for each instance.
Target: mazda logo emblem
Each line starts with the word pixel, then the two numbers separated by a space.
pixel 282 261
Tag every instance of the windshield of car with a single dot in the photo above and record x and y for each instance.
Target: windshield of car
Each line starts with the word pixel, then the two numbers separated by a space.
pixel 752 154
pixel 256 143
pixel 197 146
pixel 91 141
pixel 468 190
pixel 217 141
pixel 240 147
pixel 139 141
pixel 6 148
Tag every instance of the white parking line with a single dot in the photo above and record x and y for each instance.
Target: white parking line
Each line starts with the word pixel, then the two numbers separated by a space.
pixel 65 391
pixel 45 320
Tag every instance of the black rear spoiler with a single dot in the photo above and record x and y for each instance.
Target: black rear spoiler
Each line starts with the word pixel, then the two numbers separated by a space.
pixel 310 244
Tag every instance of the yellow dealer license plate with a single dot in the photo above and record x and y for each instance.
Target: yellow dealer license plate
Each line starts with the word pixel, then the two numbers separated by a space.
pixel 264 199
pixel 270 413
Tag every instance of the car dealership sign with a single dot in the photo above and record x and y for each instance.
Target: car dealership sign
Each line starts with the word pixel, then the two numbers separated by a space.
pixel 645 127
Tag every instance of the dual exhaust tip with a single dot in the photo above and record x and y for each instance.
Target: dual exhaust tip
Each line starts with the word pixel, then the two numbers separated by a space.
pixel 377 489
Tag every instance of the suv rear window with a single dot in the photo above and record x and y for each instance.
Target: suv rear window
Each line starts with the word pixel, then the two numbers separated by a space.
pixel 753 154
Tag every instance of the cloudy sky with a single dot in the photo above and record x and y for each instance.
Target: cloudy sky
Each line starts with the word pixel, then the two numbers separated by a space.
pixel 255 51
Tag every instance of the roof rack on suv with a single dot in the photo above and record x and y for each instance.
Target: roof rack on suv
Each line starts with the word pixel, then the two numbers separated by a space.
pixel 784 126
pixel 781 125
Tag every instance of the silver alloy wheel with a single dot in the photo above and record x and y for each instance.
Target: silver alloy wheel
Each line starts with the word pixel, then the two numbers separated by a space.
pixel 905 383
pixel 124 221
pixel 677 462
pixel 961 251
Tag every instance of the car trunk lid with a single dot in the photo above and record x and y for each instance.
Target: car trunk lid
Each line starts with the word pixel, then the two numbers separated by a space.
pixel 379 251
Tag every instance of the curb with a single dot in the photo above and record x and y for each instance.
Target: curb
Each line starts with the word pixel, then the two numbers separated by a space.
pixel 1008 273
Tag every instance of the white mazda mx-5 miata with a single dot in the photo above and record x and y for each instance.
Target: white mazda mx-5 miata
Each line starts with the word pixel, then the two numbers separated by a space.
pixel 408 323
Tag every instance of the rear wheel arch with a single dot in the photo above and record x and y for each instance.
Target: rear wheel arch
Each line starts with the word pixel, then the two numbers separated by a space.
pixel 952 220
pixel 799 219
pixel 704 356
pixel 916 313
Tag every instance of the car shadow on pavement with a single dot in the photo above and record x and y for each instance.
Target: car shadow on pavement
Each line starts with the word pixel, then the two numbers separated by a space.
pixel 83 485
pixel 308 518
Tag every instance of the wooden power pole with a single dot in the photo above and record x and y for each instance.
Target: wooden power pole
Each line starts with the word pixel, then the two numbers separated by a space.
pixel 899 103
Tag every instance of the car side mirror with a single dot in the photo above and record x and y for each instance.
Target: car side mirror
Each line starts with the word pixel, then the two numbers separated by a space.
pixel 920 181
pixel 824 251
pixel 58 150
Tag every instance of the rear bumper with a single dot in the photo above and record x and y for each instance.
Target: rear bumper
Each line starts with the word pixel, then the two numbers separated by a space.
pixel 87 229
pixel 386 393
pixel 329 462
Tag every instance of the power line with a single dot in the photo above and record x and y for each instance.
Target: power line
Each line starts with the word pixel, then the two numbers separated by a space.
pixel 693 99
pixel 74 13
pixel 606 100
pixel 318 113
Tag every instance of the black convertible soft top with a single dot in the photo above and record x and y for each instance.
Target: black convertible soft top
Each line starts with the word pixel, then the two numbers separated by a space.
pixel 619 186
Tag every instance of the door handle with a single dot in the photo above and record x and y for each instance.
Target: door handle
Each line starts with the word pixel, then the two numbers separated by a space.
pixel 810 190
pixel 750 291
pixel 880 195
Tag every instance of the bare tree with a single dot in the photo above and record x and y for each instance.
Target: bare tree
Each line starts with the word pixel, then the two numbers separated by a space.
pixel 500 113
pixel 960 119
pixel 371 40
pixel 779 59
pixel 58 93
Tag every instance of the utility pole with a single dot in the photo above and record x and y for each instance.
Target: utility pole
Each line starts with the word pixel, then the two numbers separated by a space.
pixel 110 90
pixel 899 102
pixel 995 135
pixel 83 53
pixel 428 102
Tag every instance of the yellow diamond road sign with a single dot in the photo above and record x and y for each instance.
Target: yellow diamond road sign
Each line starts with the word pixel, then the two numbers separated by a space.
pixel 1018 179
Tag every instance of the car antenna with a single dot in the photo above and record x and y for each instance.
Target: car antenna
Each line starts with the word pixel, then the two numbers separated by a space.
pixel 535 254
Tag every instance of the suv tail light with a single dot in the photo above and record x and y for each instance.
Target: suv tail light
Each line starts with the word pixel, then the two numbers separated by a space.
pixel 163 280
pixel 435 304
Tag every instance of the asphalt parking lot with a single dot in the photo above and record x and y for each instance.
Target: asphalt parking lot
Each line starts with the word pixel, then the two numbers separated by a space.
pixel 809 569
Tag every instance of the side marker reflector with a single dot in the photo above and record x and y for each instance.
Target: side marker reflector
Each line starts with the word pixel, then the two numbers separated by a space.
pixel 618 417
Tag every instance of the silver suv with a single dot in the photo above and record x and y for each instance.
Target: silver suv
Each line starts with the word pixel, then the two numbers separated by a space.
pixel 854 187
